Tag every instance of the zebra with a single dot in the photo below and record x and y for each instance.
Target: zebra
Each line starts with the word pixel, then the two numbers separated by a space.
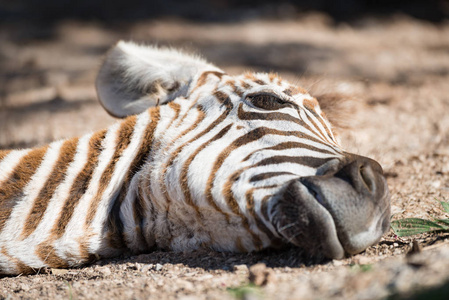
pixel 201 159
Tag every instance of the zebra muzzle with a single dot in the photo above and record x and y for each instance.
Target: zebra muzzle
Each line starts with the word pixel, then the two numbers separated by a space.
pixel 336 214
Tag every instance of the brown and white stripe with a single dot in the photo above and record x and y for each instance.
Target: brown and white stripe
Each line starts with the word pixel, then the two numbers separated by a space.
pixel 197 171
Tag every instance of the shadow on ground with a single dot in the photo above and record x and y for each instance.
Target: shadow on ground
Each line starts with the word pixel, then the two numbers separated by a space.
pixel 291 257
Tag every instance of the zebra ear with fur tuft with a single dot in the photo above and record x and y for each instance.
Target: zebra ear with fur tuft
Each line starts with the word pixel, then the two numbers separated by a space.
pixel 338 108
pixel 135 77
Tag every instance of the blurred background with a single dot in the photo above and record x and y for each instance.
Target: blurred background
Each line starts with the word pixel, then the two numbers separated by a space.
pixel 214 10
pixel 391 56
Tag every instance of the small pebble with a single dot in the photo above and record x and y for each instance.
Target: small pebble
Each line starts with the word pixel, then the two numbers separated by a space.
pixel 436 184
pixel 337 262
pixel 241 268
pixel 105 271
pixel 146 267
pixel 59 271
pixel 260 275
pixel 24 287
pixel 158 267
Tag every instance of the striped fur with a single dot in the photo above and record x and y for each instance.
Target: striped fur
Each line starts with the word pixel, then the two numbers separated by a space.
pixel 200 171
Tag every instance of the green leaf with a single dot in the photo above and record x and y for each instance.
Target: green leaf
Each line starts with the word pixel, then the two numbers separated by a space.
pixel 444 221
pixel 361 268
pixel 245 291
pixel 411 226
pixel 445 206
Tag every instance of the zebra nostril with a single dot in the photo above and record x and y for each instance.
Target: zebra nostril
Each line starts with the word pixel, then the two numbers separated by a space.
pixel 367 177
pixel 330 166
pixel 361 174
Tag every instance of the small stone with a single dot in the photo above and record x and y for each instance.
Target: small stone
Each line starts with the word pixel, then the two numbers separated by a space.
pixel 241 268
pixel 436 184
pixel 105 271
pixel 59 271
pixel 147 267
pixel 337 262
pixel 260 275
pixel 158 267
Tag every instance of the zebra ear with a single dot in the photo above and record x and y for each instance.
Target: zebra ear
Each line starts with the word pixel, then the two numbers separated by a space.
pixel 134 77
pixel 337 107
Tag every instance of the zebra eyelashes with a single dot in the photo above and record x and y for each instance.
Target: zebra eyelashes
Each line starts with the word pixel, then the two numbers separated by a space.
pixel 268 101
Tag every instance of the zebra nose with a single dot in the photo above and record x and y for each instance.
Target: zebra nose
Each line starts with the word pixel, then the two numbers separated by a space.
pixel 362 174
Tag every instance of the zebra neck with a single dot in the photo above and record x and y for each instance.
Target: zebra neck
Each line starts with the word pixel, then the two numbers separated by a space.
pixel 57 202
pixel 135 137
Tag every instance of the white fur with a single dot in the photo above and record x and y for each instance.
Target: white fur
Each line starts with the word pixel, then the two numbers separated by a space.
pixel 11 233
pixel 11 160
pixel 76 228
pixel 121 169
pixel 320 130
pixel 60 196
pixel 127 216
pixel 140 69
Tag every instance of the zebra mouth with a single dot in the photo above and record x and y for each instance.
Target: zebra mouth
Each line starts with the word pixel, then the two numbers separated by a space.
pixel 314 192
pixel 331 244
pixel 305 221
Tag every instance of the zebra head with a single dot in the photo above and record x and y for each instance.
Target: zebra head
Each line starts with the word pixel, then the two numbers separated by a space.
pixel 240 163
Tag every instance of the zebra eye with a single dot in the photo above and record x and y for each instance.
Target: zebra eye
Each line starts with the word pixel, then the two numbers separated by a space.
pixel 267 101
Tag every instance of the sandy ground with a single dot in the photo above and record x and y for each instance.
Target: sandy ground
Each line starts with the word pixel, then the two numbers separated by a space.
pixel 396 73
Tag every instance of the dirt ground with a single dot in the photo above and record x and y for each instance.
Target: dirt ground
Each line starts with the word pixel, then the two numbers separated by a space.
pixel 396 73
